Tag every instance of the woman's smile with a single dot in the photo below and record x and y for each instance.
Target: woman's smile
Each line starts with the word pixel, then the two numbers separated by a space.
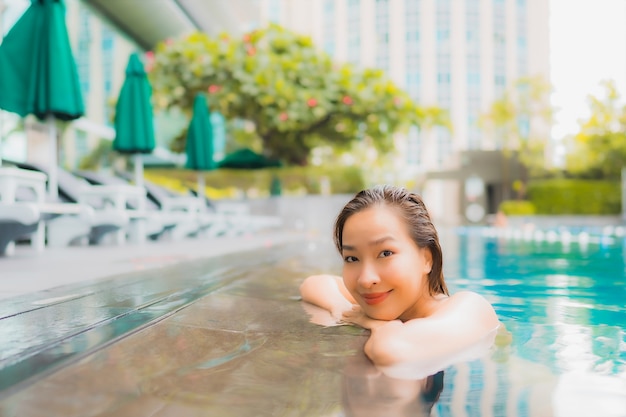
pixel 373 298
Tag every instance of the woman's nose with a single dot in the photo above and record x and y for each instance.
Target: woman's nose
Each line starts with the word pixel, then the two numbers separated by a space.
pixel 368 276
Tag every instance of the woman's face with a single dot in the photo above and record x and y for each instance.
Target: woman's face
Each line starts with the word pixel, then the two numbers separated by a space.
pixel 384 269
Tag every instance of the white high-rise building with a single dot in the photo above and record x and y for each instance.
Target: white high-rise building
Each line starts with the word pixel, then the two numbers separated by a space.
pixel 459 55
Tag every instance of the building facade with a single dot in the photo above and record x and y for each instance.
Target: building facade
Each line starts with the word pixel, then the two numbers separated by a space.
pixel 101 53
pixel 459 55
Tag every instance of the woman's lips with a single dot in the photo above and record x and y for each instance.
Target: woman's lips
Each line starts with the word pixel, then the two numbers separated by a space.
pixel 375 297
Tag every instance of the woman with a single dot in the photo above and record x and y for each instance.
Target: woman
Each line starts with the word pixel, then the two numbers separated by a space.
pixel 393 282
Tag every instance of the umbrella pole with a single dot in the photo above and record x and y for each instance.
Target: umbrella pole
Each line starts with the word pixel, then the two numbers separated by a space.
pixel 1 111
pixel 138 162
pixel 53 188
pixel 201 187
pixel 140 224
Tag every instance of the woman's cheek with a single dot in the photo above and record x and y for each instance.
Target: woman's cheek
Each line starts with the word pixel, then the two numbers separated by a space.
pixel 349 279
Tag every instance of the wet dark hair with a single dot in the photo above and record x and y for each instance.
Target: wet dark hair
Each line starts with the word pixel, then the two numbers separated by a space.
pixel 412 209
pixel 434 386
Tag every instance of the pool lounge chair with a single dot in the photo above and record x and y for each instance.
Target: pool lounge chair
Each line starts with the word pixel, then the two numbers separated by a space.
pixel 211 222
pixel 69 222
pixel 174 217
pixel 238 217
pixel 17 220
pixel 216 218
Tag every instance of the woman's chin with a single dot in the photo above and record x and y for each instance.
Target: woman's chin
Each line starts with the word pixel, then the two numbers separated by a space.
pixel 380 315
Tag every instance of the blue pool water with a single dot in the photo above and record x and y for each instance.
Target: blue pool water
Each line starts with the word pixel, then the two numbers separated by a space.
pixel 562 298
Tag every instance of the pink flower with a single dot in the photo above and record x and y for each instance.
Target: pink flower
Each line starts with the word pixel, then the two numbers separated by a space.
pixel 311 102
pixel 283 117
pixel 347 100
pixel 150 55
pixel 214 88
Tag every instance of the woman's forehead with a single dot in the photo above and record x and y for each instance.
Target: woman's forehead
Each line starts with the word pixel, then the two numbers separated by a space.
pixel 376 220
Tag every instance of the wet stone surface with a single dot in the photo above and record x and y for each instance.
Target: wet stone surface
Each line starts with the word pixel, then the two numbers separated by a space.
pixel 225 337
pixel 229 337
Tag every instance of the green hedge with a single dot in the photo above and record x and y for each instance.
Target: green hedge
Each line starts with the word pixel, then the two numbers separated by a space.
pixel 226 183
pixel 565 196
pixel 517 208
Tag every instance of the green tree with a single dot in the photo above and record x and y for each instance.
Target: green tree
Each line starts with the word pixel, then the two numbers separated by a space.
pixel 296 97
pixel 100 157
pixel 598 150
pixel 520 121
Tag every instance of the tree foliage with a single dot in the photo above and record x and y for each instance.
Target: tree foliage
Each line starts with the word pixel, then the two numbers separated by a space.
pixel 295 95
pixel 599 148
pixel 520 121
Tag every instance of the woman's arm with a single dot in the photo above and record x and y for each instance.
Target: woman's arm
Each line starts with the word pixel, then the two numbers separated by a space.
pixel 464 320
pixel 327 292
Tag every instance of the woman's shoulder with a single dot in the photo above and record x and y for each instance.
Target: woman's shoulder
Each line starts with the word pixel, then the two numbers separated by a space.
pixel 468 296
pixel 468 306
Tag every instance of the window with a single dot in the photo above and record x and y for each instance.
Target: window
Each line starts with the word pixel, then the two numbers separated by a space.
pixel 274 11
pixel 329 27
pixel 80 144
pixel 414 146
pixel 473 78
pixel 354 31
pixel 382 34
pixel 83 61
pixel 108 44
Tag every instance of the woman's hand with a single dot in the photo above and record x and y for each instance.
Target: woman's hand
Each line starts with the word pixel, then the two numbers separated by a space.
pixel 358 317
pixel 327 292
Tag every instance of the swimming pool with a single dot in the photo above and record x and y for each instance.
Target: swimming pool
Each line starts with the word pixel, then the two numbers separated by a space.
pixel 562 296
pixel 228 336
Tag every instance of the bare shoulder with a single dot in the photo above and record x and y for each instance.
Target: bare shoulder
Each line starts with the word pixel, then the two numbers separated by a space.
pixel 468 297
pixel 469 306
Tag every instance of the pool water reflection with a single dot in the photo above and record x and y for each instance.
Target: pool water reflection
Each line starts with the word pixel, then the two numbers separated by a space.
pixel 564 306
pixel 575 294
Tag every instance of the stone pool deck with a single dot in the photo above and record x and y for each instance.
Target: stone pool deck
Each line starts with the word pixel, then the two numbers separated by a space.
pixel 28 271
pixel 193 328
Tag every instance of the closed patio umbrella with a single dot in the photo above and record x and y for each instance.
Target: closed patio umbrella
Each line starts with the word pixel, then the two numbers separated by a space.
pixel 38 73
pixel 200 147
pixel 134 122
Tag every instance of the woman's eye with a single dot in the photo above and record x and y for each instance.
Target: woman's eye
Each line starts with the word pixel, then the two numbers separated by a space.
pixel 385 253
pixel 349 259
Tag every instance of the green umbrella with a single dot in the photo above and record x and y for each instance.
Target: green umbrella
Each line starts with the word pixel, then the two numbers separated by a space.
pixel 38 73
pixel 134 122
pixel 247 159
pixel 199 147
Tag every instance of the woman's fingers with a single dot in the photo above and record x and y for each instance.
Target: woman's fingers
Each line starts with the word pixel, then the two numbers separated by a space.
pixel 354 316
